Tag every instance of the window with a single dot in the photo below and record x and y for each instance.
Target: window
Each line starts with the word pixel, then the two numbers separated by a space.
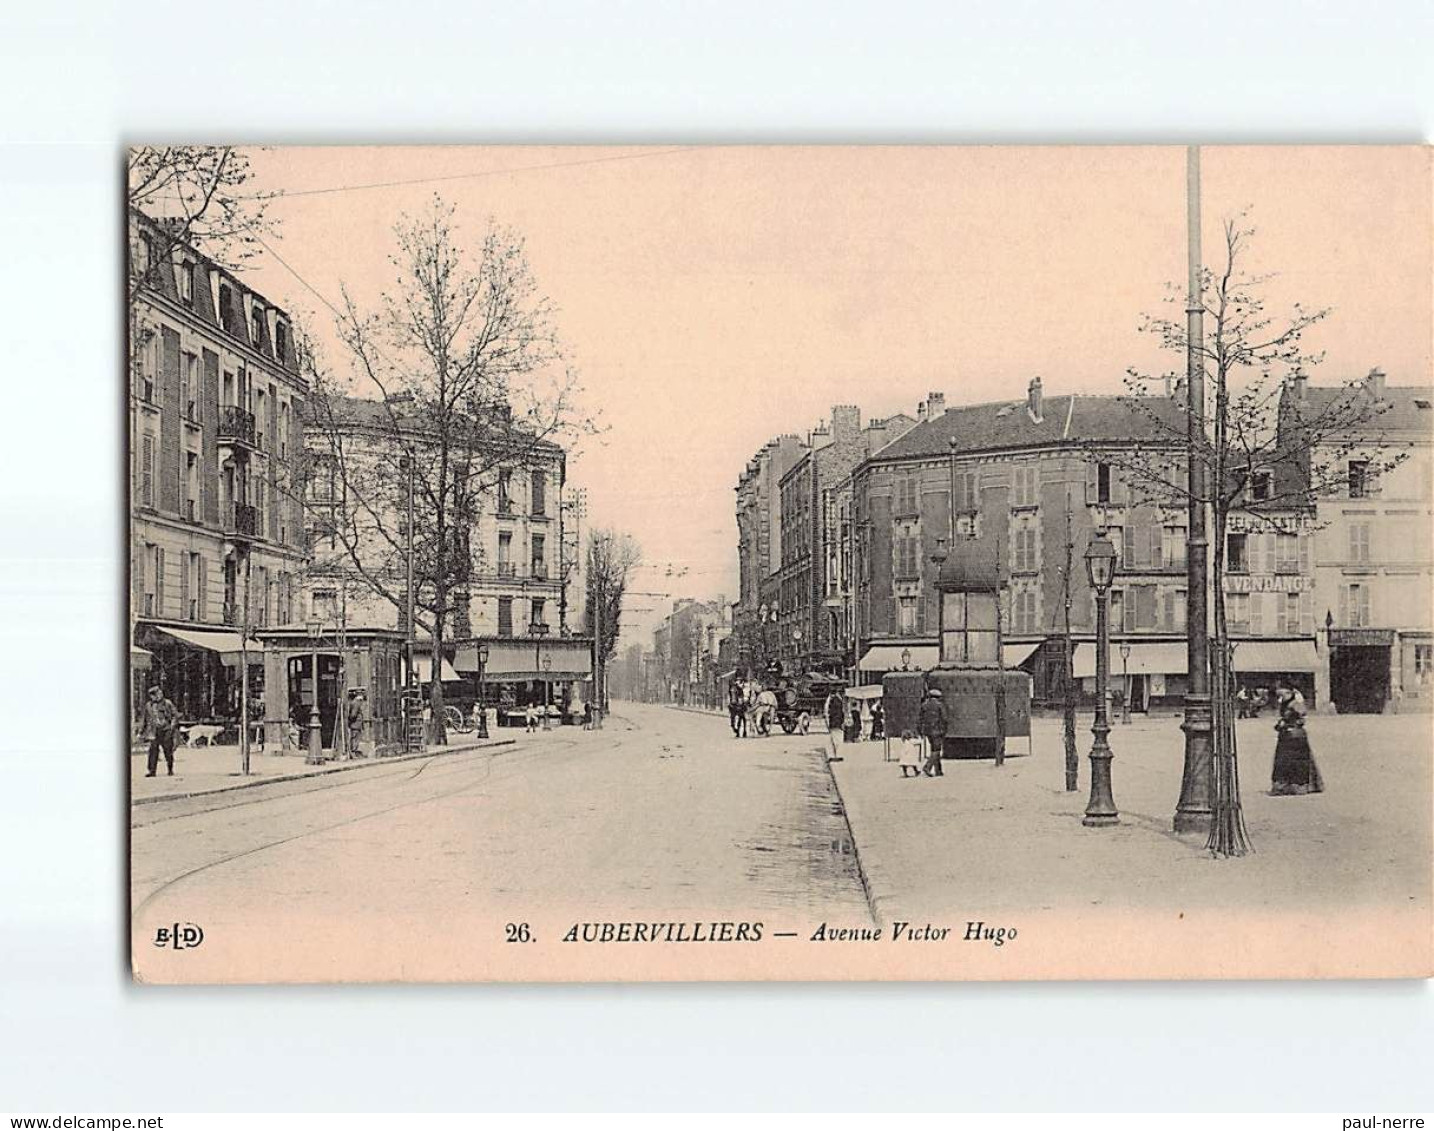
pixel 284 430
pixel 1103 479
pixel 908 554
pixel 969 628
pixel 539 611
pixel 1237 559
pixel 1139 608
pixel 1262 486
pixel 186 283
pixel 226 307
pixel 258 326
pixel 1023 548
pixel 1024 489
pixel 505 554
pixel 540 562
pixel 1359 541
pixel 1024 618
pixel 281 341
pixel 1287 553
pixel 190 392
pixel 143 257
pixel 158 581
pixel 540 494
pixel 191 485
pixel 968 491
pixel 1173 547
pixel 1359 480
pixel 505 492
pixel 1354 605
pixel 505 616
pixel 324 604
pixel 907 496
pixel 1423 661
pixel 151 575
pixel 1237 612
pixel 146 471
pixel 1287 617
pixel 906 616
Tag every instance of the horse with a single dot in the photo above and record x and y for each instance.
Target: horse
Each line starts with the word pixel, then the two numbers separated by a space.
pixel 763 712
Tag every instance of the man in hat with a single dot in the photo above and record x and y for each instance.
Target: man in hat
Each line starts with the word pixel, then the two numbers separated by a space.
pixel 161 720
pixel 931 721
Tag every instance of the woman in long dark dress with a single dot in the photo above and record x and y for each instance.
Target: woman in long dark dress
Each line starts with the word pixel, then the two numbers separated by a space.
pixel 1295 770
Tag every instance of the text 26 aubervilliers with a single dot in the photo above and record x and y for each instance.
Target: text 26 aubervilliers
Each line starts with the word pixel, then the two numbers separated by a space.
pixel 975 930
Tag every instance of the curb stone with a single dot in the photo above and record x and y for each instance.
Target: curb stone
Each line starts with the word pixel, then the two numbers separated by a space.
pixel 362 764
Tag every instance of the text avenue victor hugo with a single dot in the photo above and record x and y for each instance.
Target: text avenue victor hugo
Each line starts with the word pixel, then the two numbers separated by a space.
pixel 750 932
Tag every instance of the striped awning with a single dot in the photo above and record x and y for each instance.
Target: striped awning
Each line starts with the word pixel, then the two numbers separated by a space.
pixel 887 657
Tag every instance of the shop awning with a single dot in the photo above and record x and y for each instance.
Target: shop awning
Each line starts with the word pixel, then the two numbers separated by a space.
pixel 1275 656
pixel 518 660
pixel 139 657
pixel 423 669
pixel 227 644
pixel 1014 655
pixel 866 691
pixel 1146 658
pixel 887 657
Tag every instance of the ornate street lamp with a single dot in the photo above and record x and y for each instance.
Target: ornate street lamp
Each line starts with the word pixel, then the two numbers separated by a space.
pixel 482 700
pixel 1125 681
pixel 1100 568
pixel 316 742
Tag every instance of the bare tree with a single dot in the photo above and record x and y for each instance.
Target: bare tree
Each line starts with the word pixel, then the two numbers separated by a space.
pixel 472 387
pixel 1264 454
pixel 198 196
pixel 612 556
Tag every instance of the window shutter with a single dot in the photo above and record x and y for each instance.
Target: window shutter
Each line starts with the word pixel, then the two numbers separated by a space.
pixel 184 588
pixel 1344 605
pixel 1306 613
pixel 1092 484
pixel 889 615
pixel 921 616
pixel 1169 621
pixel 1119 495
pixel 1128 611
pixel 1128 557
pixel 1304 541
pixel 1156 533
pixel 137 577
pixel 159 581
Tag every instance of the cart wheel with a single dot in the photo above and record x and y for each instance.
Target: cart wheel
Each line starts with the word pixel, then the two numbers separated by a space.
pixel 788 725
pixel 804 722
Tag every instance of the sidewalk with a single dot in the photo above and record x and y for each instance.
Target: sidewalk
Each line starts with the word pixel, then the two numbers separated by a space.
pixel 1011 837
pixel 210 769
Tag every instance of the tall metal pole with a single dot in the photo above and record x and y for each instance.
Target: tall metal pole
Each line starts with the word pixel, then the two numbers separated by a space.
pixel 1192 814
pixel 408 588
pixel 1101 811
pixel 598 589
pixel 1068 707
pixel 244 670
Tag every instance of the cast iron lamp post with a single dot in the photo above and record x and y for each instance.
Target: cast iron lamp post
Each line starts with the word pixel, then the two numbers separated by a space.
pixel 316 741
pixel 1125 681
pixel 482 699
pixel 1100 567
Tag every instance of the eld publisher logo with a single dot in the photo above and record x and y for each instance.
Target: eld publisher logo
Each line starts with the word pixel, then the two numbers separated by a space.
pixel 181 936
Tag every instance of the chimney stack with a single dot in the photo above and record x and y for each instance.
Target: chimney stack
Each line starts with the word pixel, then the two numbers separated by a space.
pixel 921 411
pixel 1375 383
pixel 846 423
pixel 935 405
pixel 1301 387
pixel 1033 399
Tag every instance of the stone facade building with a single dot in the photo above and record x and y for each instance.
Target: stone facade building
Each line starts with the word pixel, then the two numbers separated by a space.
pixel 215 407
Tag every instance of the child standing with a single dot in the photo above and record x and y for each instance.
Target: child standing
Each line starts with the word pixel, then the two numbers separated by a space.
pixel 909 756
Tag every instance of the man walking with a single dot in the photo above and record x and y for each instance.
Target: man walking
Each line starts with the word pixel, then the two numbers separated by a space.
pixel 931 721
pixel 161 720
pixel 354 720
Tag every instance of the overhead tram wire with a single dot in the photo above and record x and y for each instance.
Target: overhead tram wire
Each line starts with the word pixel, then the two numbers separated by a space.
pixel 282 195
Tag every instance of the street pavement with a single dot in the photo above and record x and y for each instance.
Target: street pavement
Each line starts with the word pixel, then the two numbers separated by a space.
pixel 661 814
pixel 1001 839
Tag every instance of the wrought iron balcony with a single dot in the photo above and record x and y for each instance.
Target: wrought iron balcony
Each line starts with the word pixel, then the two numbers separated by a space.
pixel 236 425
pixel 242 521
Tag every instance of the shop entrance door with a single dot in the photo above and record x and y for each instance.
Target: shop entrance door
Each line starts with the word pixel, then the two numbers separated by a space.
pixel 1359 678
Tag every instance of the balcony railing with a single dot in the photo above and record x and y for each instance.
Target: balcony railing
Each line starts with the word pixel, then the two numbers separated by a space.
pixel 235 424
pixel 507 569
pixel 243 521
pixel 231 612
pixel 540 571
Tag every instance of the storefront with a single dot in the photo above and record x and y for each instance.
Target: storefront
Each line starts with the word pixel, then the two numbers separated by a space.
pixel 370 659
pixel 197 669
pixel 551 673
pixel 1359 669
pixel 1147 674
pixel 1260 664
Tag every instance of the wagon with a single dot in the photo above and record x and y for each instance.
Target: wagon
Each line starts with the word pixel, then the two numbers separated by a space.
pixel 802 697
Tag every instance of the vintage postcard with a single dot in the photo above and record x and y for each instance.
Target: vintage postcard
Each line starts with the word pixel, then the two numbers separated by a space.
pixel 779 563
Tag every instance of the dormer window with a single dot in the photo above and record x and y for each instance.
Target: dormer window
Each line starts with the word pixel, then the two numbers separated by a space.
pixel 143 257
pixel 1262 486
pixel 281 341
pixel 226 306
pixel 258 326
pixel 186 283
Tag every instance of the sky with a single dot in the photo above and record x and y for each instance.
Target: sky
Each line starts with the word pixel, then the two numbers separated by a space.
pixel 713 297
